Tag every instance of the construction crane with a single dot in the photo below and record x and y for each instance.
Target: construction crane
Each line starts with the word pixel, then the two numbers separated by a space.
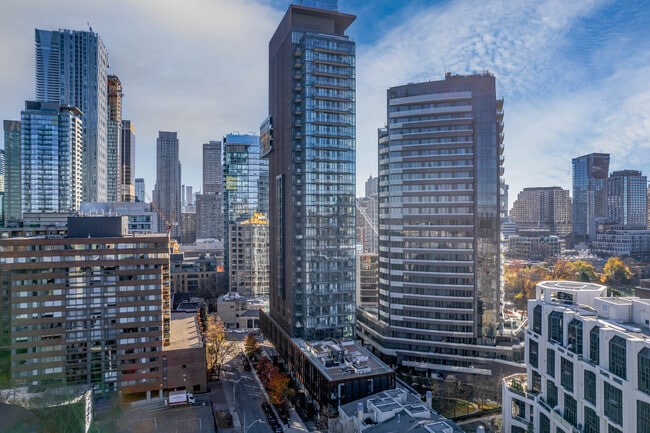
pixel 168 224
pixel 365 216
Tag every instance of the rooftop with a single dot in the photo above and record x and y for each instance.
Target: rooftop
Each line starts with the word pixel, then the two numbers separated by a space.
pixel 185 332
pixel 397 410
pixel 338 361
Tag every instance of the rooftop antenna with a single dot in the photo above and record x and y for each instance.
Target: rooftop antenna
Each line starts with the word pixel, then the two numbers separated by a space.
pixel 89 28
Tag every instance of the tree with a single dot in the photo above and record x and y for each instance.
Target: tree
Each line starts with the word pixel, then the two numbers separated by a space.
pixel 218 349
pixel 278 387
pixel 520 281
pixel 616 272
pixel 251 346
pixel 563 270
pixel 584 271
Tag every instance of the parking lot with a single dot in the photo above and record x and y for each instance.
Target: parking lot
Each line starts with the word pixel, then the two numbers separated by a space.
pixel 153 417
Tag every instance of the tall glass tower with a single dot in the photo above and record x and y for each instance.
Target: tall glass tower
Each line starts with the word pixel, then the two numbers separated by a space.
pixel 589 193
pixel 245 184
pixel 71 70
pixel 440 184
pixel 12 204
pixel 310 144
pixel 51 145
pixel 114 140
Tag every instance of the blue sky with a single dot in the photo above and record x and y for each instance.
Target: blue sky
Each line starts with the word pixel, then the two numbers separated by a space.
pixel 574 75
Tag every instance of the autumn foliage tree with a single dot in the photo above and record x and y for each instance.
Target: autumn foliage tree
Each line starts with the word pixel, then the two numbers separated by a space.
pixel 251 346
pixel 520 281
pixel 616 272
pixel 275 382
pixel 217 348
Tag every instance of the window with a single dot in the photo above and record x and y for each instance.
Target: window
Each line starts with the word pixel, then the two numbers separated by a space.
pixel 550 362
pixel 537 383
pixel 642 416
pixel 551 394
pixel 617 356
pixel 537 319
pixel 570 410
pixel 644 370
pixel 592 422
pixel 566 374
pixel 613 403
pixel 590 386
pixel 544 424
pixel 575 336
pixel 612 429
pixel 555 327
pixel 594 344
pixel 533 349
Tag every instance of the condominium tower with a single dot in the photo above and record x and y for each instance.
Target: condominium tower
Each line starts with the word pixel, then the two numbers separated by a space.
pixel 588 363
pixel 127 176
pixel 212 168
pixel 543 209
pixel 71 70
pixel 51 157
pixel 114 141
pixel 311 153
pixel 12 204
pixel 167 192
pixel 627 195
pixel 91 308
pixel 589 193
pixel 440 169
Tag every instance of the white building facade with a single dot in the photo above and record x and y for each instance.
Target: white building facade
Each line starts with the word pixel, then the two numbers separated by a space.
pixel 588 360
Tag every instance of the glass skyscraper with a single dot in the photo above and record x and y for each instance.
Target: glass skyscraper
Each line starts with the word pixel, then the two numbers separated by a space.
pixel 128 161
pixel 51 147
pixel 589 193
pixel 310 144
pixel 245 183
pixel 12 205
pixel 440 180
pixel 71 70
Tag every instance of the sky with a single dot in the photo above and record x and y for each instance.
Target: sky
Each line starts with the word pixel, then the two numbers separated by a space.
pixel 575 75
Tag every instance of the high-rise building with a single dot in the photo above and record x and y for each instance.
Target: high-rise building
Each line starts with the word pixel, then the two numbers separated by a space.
pixel 94 310
pixel 312 173
pixel 440 177
pixel 309 140
pixel 2 186
pixel 140 194
pixel 589 193
pixel 249 260
pixel 212 167
pixel 188 227
pixel 627 195
pixel 51 157
pixel 189 196
pixel 12 203
pixel 243 173
pixel 367 280
pixel 372 186
pixel 114 140
pixel 588 363
pixel 71 70
pixel 128 161
pixel 367 218
pixel 167 192
pixel 543 209
pixel 209 219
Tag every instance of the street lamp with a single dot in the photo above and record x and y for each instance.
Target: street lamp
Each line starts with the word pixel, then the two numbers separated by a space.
pixel 251 424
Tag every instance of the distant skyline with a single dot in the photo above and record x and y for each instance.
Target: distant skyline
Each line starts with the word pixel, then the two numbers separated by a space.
pixel 573 74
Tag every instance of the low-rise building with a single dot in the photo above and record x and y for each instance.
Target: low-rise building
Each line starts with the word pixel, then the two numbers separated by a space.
pixel 239 312
pixel 393 410
pixel 330 373
pixel 184 363
pixel 588 363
